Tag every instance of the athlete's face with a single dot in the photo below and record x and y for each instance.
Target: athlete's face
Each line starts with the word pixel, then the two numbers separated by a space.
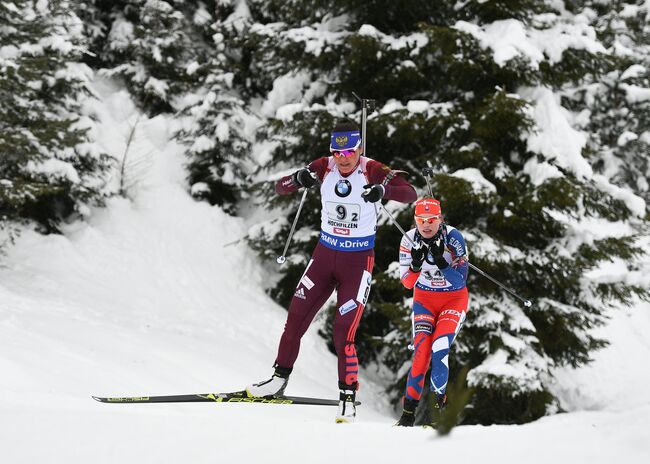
pixel 346 164
pixel 428 224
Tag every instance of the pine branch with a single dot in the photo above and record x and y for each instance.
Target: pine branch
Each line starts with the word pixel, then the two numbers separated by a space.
pixel 459 396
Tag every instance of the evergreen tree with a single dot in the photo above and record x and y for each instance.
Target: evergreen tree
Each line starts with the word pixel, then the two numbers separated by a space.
pixel 49 169
pixel 616 105
pixel 447 100
pixel 214 128
pixel 172 57
pixel 153 46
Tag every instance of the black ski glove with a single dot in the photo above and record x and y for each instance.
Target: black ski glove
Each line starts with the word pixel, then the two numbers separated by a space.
pixel 437 247
pixel 417 255
pixel 304 178
pixel 373 193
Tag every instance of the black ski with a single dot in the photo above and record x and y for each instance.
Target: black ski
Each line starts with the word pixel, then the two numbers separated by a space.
pixel 232 397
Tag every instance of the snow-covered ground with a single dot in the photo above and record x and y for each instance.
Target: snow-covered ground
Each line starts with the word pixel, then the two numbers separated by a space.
pixel 145 299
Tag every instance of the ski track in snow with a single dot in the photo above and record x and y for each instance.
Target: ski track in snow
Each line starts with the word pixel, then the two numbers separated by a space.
pixel 144 299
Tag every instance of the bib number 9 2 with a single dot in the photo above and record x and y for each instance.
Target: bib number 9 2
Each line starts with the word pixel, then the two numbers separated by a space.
pixel 343 212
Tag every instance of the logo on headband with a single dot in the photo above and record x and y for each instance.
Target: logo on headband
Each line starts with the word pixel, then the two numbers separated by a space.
pixel 349 140
pixel 427 206
pixel 342 140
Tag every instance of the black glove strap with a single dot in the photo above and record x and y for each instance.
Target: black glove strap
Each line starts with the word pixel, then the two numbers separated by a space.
pixel 294 178
pixel 441 262
pixel 415 269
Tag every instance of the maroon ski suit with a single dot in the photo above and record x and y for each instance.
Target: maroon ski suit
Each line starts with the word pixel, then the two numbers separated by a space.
pixel 347 272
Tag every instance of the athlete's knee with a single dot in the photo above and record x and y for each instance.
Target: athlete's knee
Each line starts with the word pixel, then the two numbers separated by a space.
pixel 440 362
pixel 341 330
pixel 440 348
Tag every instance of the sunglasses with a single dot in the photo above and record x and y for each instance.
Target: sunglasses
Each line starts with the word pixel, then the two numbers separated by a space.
pixel 426 220
pixel 343 153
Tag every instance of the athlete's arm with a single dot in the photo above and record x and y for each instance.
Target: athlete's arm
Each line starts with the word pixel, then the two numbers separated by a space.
pixel 407 276
pixel 396 189
pixel 287 185
pixel 456 274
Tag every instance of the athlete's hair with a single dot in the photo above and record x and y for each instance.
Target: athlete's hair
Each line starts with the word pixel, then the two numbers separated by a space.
pixel 345 125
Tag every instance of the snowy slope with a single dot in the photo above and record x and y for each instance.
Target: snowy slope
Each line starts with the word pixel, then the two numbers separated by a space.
pixel 146 299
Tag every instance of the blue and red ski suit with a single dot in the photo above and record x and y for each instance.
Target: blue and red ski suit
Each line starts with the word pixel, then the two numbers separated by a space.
pixel 440 301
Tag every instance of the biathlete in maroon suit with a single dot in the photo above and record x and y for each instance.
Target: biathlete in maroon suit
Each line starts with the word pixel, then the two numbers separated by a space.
pixel 438 275
pixel 350 186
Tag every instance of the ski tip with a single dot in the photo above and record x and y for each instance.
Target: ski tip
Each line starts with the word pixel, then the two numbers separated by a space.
pixel 98 398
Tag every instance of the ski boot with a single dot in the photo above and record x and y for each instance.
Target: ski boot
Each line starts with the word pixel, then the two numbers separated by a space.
pixel 408 413
pixel 438 408
pixel 271 388
pixel 347 409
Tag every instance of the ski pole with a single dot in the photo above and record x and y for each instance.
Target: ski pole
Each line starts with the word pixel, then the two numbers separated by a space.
pixel 428 172
pixel 365 104
pixel 527 303
pixel 396 224
pixel 281 259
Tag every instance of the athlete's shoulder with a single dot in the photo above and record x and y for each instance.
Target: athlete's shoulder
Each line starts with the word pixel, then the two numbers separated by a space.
pixel 456 240
pixel 449 228
pixel 320 166
pixel 376 170
pixel 375 165
pixel 452 231
pixel 322 161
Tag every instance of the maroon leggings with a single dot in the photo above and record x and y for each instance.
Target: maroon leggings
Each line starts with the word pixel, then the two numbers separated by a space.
pixel 349 272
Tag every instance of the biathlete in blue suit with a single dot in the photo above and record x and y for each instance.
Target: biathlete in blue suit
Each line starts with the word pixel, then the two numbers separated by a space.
pixel 438 275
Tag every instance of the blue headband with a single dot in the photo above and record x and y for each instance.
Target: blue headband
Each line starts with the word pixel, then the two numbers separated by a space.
pixel 345 140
